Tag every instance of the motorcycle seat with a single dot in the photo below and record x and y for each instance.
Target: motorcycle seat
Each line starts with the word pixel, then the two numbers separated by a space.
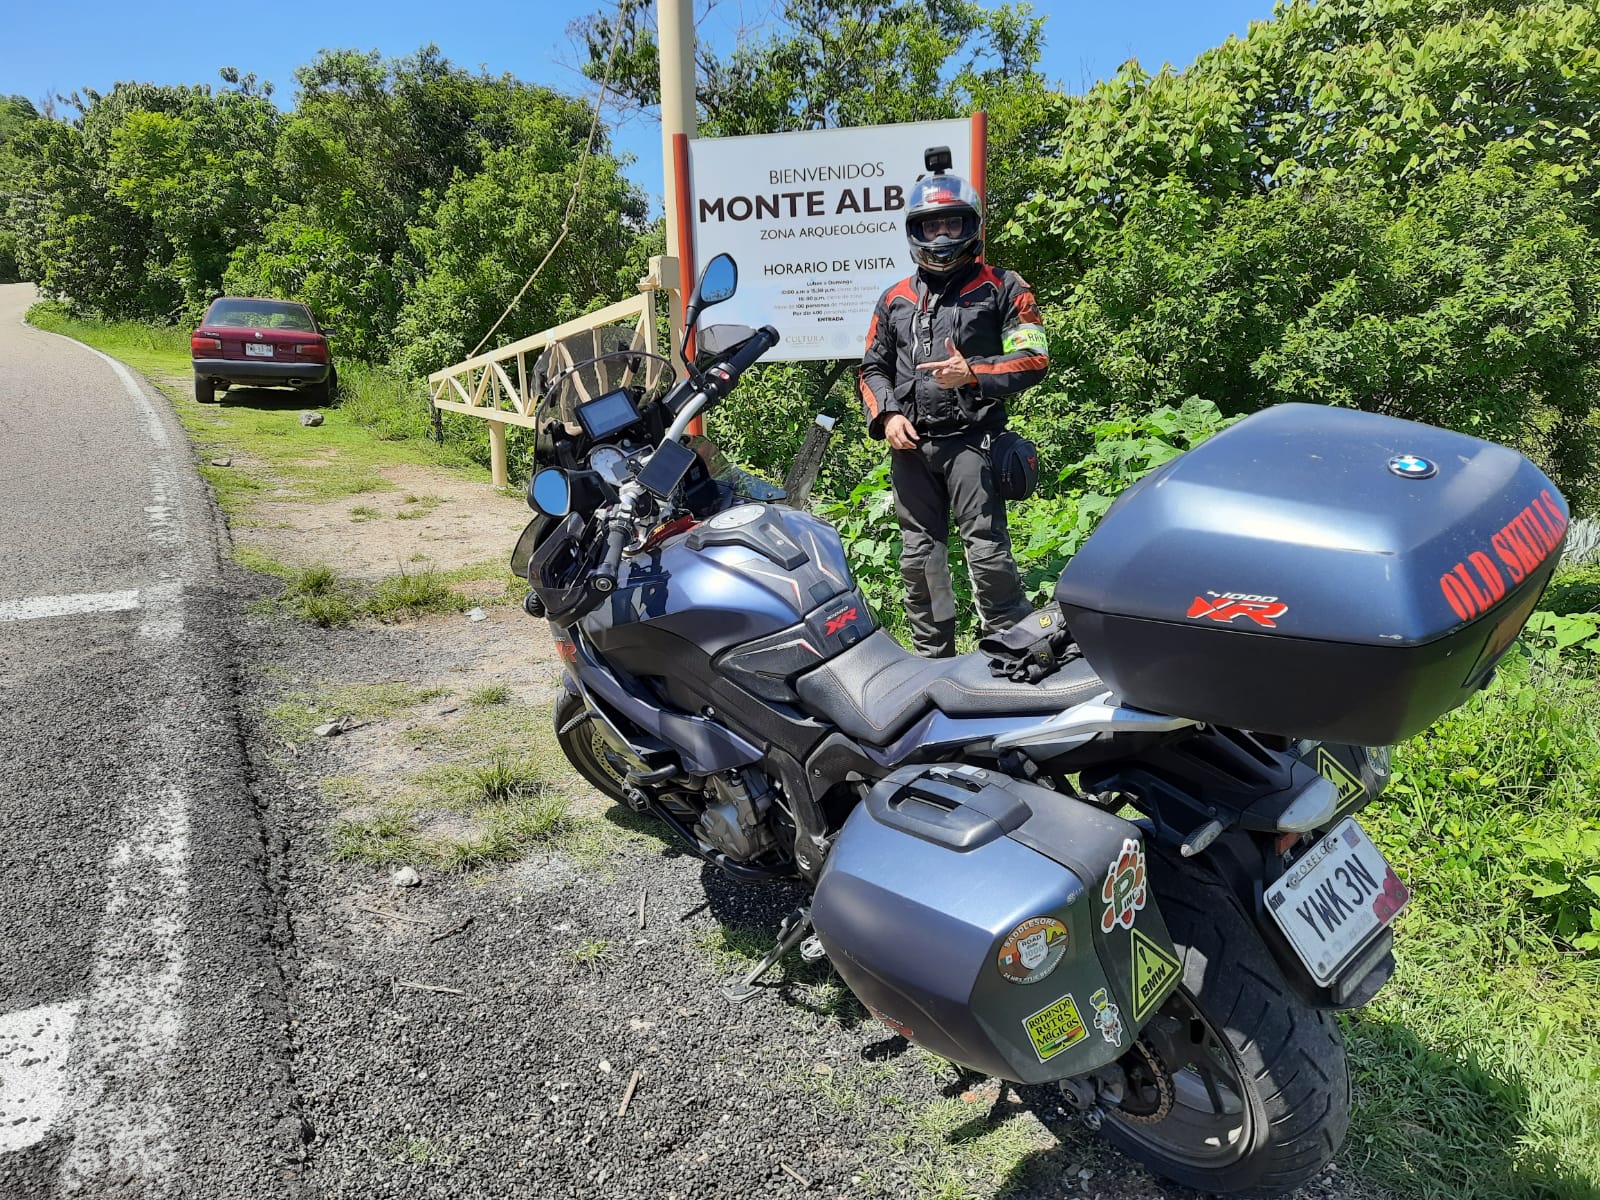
pixel 877 688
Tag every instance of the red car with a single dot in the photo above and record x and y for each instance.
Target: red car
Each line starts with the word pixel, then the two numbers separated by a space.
pixel 261 343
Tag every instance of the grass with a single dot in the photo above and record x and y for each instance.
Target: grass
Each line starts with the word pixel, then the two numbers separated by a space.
pixel 489 693
pixel 1477 1070
pixel 501 777
pixel 148 348
pixel 380 420
pixel 316 594
pixel 507 831
pixel 296 715
pixel 385 839
pixel 419 1152
pixel 499 808
pixel 955 1150
pixel 733 950
pixel 416 507
pixel 590 953
pixel 412 595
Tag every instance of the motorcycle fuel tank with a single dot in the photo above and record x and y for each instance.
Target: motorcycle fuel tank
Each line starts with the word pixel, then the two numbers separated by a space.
pixel 762 589
pixel 996 923
pixel 1316 572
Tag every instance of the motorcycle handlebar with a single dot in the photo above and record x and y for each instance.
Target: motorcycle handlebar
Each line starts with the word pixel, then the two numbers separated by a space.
pixel 718 380
pixel 745 357
pixel 604 579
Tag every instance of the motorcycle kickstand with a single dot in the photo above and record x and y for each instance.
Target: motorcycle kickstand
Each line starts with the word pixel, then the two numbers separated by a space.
pixel 794 928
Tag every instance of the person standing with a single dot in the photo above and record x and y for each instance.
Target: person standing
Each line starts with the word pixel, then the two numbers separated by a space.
pixel 946 349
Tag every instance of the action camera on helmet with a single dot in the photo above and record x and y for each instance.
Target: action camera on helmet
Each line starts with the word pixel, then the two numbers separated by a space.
pixel 943 247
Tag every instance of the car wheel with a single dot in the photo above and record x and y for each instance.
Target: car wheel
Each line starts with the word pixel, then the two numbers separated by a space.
pixel 205 391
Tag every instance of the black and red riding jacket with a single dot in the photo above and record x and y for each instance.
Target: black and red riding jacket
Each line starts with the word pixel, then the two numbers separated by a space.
pixel 994 321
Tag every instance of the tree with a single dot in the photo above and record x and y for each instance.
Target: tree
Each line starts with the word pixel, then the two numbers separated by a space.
pixel 493 227
pixel 199 167
pixel 371 151
pixel 840 63
pixel 1401 91
pixel 16 112
pixel 1388 204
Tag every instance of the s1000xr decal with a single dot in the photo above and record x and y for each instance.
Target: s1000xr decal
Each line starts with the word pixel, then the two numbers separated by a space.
pixel 1225 606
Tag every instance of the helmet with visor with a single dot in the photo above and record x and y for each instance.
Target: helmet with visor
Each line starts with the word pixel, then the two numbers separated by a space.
pixel 944 224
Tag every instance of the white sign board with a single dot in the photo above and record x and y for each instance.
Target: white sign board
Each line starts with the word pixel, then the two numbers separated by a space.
pixel 816 222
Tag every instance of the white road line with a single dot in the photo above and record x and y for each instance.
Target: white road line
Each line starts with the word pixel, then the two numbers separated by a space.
pixel 33 1058
pixel 36 607
pixel 120 1070
pixel 163 607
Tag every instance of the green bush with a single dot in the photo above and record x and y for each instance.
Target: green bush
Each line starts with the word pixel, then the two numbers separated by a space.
pixel 1574 591
pixel 1494 810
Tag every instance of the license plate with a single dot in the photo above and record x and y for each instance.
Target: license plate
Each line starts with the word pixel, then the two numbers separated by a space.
pixel 1336 898
pixel 258 349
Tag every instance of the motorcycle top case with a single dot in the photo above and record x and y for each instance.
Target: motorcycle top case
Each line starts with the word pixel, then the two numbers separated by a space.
pixel 996 923
pixel 1316 572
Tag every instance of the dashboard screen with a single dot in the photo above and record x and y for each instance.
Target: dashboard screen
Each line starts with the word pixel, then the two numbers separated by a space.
pixel 606 415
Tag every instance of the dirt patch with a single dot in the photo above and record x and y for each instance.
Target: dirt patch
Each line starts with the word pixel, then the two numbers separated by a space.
pixel 430 520
pixel 463 658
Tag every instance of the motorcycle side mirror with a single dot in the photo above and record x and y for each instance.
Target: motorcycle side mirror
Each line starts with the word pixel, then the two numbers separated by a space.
pixel 718 282
pixel 719 339
pixel 550 492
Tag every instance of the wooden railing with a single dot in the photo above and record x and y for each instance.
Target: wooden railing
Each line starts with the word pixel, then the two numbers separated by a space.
pixel 501 386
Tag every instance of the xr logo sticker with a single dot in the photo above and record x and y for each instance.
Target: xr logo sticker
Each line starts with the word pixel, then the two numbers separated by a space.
pixel 839 622
pixel 1224 607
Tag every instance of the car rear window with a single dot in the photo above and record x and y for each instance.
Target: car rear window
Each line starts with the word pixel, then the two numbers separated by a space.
pixel 261 314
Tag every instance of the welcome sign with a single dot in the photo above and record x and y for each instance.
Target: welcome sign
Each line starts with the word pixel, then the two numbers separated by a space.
pixel 816 222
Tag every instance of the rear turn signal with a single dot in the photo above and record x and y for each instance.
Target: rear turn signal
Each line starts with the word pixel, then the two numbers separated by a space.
pixel 201 341
pixel 315 351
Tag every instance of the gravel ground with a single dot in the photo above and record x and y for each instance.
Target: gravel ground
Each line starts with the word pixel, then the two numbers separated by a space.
pixel 513 1086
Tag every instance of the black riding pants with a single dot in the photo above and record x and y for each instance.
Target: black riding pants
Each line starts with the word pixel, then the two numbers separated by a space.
pixel 944 477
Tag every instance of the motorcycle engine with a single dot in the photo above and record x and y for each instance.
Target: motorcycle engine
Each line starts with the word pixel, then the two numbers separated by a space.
pixel 735 818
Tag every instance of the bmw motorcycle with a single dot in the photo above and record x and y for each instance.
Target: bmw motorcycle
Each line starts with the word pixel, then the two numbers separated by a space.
pixel 1140 878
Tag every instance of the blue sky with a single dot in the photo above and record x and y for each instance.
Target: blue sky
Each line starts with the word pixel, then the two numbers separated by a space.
pixel 60 47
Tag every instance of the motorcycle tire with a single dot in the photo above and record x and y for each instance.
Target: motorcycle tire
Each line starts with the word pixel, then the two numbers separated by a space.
pixel 585 749
pixel 1258 1097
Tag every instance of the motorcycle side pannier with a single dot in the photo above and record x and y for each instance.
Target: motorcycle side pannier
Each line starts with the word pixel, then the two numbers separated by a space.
pixel 996 923
pixel 1316 572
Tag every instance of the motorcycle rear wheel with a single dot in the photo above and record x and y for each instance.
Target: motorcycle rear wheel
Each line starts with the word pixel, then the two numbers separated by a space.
pixel 585 749
pixel 1259 1083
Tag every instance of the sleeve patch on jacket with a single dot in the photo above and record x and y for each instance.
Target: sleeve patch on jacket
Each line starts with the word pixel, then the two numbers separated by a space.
pixel 1026 337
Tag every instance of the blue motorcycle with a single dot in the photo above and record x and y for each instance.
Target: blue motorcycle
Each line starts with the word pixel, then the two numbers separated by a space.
pixel 1135 872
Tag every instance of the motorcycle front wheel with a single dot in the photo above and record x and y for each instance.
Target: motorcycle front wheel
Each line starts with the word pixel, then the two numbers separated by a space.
pixel 586 750
pixel 1236 1085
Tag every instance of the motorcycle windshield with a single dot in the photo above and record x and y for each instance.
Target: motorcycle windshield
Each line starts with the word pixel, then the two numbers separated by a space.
pixel 595 362
pixel 745 485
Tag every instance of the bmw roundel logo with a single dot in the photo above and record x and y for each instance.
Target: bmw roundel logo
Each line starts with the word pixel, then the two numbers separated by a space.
pixel 1413 466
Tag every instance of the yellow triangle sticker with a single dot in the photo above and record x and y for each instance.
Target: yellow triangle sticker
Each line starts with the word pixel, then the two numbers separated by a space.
pixel 1153 970
pixel 1336 773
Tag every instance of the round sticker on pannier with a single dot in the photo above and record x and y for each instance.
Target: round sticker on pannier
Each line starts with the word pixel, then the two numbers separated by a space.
pixel 1032 950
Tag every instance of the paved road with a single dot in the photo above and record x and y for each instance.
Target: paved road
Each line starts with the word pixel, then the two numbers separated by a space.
pixel 141 1006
